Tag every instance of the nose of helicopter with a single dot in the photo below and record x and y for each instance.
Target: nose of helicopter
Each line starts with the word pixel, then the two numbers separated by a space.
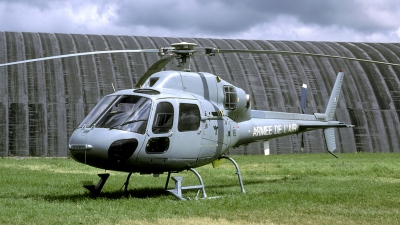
pixel 102 147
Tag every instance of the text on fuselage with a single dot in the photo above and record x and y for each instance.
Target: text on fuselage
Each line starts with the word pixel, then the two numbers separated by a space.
pixel 274 129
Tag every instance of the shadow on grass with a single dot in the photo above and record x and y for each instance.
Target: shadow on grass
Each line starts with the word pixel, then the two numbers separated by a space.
pixel 235 182
pixel 113 195
pixel 142 193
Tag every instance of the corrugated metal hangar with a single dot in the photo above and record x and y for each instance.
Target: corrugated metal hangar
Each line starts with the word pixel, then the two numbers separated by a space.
pixel 41 103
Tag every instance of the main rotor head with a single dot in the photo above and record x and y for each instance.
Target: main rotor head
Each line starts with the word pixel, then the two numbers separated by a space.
pixel 181 51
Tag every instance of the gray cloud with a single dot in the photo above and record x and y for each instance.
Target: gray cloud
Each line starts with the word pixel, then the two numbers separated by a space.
pixel 234 15
pixel 339 20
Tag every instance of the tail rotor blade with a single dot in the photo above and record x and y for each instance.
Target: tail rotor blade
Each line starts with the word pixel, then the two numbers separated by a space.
pixel 303 98
pixel 303 110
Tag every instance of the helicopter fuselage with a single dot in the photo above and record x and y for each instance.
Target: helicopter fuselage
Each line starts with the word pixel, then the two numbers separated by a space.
pixel 176 121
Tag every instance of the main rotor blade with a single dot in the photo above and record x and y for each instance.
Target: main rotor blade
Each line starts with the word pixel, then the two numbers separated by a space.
pixel 276 52
pixel 79 54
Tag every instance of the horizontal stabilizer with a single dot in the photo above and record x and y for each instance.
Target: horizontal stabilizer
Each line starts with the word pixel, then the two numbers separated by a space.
pixel 321 125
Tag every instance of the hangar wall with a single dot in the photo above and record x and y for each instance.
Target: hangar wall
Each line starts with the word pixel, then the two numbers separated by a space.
pixel 41 103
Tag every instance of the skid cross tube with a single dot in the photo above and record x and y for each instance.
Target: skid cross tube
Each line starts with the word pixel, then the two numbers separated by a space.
pixel 177 190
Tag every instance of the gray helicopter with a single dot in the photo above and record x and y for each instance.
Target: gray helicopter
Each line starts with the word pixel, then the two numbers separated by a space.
pixel 180 120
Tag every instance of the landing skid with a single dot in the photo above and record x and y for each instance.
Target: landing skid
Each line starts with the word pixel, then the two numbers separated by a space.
pixel 97 189
pixel 176 191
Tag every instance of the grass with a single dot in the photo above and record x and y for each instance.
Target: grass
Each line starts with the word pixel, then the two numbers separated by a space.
pixel 280 189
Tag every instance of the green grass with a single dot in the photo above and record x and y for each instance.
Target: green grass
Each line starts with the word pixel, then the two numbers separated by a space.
pixel 280 189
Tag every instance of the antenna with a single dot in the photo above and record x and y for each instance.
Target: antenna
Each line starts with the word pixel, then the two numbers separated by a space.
pixel 112 84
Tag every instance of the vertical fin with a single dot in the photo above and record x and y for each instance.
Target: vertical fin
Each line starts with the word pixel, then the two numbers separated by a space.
pixel 330 139
pixel 329 133
pixel 333 100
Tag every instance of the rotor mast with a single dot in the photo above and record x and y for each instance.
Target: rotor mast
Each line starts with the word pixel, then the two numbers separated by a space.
pixel 181 51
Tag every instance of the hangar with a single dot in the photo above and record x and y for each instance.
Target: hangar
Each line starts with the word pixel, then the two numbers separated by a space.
pixel 41 103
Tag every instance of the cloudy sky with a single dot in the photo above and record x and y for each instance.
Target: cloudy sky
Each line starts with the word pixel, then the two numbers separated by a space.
pixel 307 20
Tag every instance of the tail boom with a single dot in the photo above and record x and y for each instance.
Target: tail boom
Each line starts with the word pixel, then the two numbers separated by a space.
pixel 265 125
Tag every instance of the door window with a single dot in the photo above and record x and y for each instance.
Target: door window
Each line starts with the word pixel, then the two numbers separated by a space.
pixel 164 118
pixel 189 117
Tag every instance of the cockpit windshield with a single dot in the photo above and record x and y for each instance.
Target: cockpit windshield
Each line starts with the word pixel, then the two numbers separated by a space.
pixel 124 112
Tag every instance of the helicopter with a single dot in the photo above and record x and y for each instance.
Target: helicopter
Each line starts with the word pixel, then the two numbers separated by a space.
pixel 180 120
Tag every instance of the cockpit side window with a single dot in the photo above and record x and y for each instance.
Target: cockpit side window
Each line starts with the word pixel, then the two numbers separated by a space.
pixel 120 111
pixel 123 112
pixel 164 118
pixel 98 110
pixel 189 117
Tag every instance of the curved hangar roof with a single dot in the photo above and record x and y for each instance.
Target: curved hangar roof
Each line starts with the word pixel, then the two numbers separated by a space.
pixel 42 102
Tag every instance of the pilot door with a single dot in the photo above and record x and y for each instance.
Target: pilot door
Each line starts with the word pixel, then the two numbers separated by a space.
pixel 174 130
pixel 161 130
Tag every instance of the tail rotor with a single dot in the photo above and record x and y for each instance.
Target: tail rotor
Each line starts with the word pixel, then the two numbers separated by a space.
pixel 303 110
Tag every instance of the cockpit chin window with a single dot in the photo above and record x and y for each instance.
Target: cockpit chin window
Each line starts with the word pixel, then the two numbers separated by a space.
pixel 124 112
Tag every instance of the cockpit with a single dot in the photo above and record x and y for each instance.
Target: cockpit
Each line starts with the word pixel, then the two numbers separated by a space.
pixel 131 113
pixel 122 112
